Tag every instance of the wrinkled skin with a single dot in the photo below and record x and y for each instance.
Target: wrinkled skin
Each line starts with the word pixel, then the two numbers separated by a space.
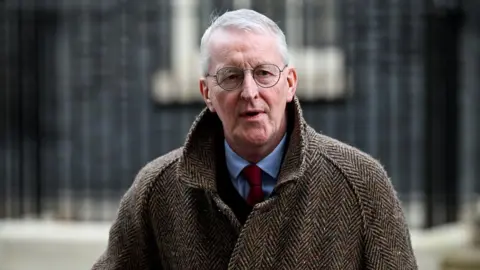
pixel 250 137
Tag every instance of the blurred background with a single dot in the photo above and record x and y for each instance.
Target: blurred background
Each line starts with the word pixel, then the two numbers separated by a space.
pixel 93 90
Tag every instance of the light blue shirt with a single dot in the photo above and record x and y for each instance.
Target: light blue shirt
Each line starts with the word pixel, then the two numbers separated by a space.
pixel 270 166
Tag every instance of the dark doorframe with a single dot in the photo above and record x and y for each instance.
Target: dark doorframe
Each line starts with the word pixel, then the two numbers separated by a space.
pixel 442 82
pixel 29 31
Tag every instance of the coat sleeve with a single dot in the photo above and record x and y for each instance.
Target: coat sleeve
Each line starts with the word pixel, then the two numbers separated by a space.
pixel 388 244
pixel 129 244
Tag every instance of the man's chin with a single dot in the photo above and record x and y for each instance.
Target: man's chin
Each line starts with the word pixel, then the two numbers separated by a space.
pixel 255 139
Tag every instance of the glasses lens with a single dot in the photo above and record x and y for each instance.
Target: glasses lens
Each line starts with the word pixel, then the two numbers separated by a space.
pixel 230 77
pixel 266 75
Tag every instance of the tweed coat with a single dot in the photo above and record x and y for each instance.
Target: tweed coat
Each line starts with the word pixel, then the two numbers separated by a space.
pixel 334 208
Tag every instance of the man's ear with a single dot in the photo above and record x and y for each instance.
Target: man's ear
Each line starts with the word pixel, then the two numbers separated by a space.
pixel 205 91
pixel 292 83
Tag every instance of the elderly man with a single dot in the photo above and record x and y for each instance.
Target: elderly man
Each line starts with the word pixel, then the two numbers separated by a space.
pixel 254 186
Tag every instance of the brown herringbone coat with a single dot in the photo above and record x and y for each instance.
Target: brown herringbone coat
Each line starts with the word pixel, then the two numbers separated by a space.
pixel 335 209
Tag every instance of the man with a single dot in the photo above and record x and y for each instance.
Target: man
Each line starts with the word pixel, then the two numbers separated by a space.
pixel 254 186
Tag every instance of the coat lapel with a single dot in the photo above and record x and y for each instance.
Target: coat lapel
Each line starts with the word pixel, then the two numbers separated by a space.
pixel 197 167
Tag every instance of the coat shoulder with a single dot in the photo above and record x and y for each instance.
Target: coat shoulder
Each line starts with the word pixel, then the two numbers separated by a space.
pixel 361 170
pixel 365 175
pixel 153 170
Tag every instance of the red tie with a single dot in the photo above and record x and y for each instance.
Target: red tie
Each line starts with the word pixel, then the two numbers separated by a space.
pixel 253 174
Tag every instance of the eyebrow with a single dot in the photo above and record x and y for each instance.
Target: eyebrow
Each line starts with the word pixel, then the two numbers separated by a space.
pixel 235 64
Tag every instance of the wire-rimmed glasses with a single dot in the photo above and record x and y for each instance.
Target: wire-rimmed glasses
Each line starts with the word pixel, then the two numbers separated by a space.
pixel 265 76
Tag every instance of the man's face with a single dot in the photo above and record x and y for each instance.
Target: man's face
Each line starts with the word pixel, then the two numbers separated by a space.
pixel 252 116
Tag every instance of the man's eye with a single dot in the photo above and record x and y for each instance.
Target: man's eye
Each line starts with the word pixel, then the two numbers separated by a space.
pixel 232 77
pixel 263 73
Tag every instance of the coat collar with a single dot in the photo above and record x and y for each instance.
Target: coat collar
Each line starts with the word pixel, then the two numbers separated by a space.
pixel 197 165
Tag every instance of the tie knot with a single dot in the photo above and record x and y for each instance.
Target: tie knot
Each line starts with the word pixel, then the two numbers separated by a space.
pixel 253 174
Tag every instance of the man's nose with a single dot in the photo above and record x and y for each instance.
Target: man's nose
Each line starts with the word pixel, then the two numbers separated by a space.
pixel 249 87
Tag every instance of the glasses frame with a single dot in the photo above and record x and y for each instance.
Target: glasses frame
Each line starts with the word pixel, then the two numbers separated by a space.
pixel 248 69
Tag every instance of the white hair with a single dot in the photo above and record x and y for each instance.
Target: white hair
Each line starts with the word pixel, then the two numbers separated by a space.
pixel 242 19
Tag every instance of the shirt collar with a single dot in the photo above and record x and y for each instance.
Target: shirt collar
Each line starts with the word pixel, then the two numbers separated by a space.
pixel 270 164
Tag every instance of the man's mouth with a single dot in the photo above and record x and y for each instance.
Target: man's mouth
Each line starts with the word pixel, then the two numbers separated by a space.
pixel 251 114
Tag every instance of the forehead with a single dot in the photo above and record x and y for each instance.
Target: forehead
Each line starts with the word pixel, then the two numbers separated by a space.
pixel 242 48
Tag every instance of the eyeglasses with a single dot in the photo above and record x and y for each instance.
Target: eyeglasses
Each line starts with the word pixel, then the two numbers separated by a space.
pixel 265 76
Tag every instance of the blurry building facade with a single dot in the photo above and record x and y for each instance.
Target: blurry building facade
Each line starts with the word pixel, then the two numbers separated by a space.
pixel 92 91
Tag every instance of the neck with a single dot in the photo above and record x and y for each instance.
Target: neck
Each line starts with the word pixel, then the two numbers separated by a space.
pixel 255 153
